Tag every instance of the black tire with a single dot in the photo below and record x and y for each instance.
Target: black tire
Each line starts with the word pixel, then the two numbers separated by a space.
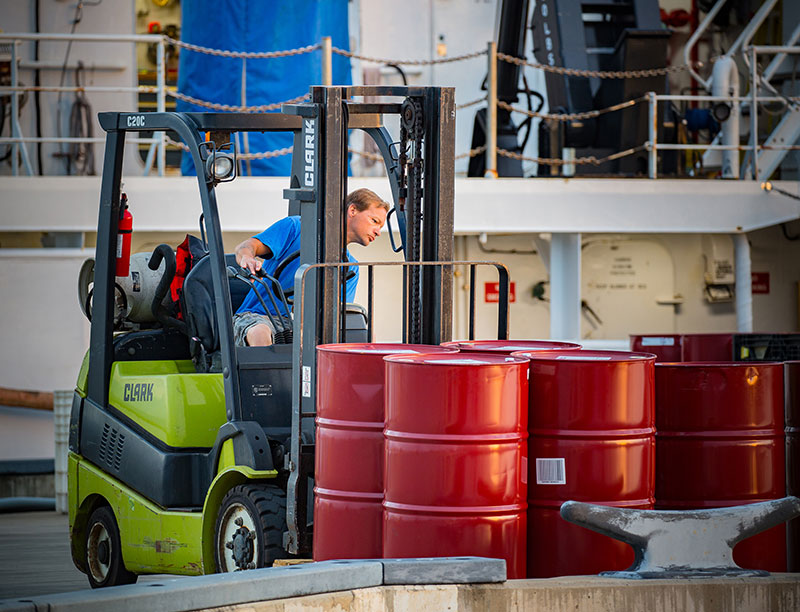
pixel 104 565
pixel 248 533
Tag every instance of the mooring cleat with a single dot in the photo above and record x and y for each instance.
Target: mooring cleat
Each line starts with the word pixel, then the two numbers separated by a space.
pixel 682 543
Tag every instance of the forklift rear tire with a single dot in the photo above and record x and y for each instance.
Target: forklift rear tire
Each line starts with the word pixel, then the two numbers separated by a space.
pixel 249 528
pixel 104 565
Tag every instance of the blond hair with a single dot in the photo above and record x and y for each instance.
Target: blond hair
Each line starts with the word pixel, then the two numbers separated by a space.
pixel 363 198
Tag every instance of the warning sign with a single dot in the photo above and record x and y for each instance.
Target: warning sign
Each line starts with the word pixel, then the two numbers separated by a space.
pixel 491 292
pixel 759 282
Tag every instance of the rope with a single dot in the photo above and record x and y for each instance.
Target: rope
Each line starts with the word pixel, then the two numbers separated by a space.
pixel 243 156
pixel 224 107
pixel 265 154
pixel 769 187
pixel 473 103
pixel 236 109
pixel 371 156
pixel 552 161
pixel 242 54
pixel 572 116
pixel 603 74
pixel 378 60
pixel 472 152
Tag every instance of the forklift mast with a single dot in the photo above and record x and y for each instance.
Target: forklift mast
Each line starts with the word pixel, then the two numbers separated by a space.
pixel 422 181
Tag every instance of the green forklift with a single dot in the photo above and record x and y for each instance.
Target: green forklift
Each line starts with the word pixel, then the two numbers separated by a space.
pixel 189 455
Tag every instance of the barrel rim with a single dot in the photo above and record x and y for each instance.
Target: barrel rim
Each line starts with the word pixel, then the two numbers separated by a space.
pixel 511 345
pixel 457 358
pixel 401 508
pixel 588 356
pixel 717 364
pixel 349 424
pixel 484 438
pixel 382 348
pixel 362 496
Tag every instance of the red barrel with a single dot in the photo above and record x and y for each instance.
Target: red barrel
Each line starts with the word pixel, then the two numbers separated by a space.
pixel 720 442
pixel 591 416
pixel 456 457
pixel 507 347
pixel 666 347
pixel 349 454
pixel 708 347
pixel 791 375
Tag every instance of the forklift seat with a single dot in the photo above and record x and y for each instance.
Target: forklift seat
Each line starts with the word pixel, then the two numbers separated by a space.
pixel 200 312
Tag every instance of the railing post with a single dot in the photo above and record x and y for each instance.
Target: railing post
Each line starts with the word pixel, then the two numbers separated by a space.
pixel 327 62
pixel 652 123
pixel 491 114
pixel 18 148
pixel 754 109
pixel 14 111
pixel 161 104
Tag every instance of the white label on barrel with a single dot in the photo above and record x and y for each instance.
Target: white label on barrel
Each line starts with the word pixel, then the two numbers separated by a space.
pixel 306 389
pixel 658 341
pixel 550 471
pixel 307 374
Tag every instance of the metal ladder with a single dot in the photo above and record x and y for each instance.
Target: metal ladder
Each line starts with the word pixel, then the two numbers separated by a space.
pixel 772 152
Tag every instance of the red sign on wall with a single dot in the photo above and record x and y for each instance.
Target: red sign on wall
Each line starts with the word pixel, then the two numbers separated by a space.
pixel 491 292
pixel 759 282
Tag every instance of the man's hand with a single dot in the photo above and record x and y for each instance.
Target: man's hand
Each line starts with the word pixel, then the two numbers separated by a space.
pixel 248 252
pixel 249 262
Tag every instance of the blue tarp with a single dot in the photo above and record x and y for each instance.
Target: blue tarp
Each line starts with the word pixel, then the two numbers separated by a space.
pixel 265 25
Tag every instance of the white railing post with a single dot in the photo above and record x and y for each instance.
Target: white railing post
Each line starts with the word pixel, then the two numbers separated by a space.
pixel 327 61
pixel 18 148
pixel 14 111
pixel 754 109
pixel 652 128
pixel 725 83
pixel 491 114
pixel 161 104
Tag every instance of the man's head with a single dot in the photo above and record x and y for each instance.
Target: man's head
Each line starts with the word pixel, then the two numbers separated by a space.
pixel 366 214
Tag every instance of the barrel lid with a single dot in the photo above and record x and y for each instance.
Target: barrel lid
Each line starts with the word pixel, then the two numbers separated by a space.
pixel 585 356
pixel 456 359
pixel 510 346
pixel 384 348
pixel 718 364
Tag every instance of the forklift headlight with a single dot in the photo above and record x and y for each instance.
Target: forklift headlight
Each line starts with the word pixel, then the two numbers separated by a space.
pixel 220 166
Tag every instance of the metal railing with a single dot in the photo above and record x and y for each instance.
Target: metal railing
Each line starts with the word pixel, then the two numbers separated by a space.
pixel 653 146
pixel 15 90
pixel 159 141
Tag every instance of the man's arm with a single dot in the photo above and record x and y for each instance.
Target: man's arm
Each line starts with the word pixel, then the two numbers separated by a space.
pixel 247 254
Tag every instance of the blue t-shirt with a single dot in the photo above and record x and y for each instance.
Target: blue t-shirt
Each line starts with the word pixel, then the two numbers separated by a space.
pixel 283 239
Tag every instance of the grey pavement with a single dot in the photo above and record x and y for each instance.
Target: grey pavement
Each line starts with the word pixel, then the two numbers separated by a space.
pixel 35 557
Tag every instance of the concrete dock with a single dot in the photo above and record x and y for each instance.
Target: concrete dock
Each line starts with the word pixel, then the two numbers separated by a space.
pixel 38 574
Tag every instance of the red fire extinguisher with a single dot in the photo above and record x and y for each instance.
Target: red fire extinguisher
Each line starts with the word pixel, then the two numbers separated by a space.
pixel 124 231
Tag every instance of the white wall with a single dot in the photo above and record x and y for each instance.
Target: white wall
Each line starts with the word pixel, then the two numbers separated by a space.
pixel 43 333
pixel 26 434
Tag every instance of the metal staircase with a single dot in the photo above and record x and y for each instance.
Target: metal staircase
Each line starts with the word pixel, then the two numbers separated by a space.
pixel 771 153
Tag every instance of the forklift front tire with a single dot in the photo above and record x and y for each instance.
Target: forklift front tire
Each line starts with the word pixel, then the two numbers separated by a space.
pixel 249 528
pixel 104 565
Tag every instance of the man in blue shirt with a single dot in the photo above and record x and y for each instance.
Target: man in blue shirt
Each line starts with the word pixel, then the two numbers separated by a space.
pixel 365 213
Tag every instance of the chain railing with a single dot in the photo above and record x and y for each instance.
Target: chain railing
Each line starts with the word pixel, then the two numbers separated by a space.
pixel 160 141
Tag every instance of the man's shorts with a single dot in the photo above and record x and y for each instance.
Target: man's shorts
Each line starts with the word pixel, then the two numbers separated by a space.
pixel 243 321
